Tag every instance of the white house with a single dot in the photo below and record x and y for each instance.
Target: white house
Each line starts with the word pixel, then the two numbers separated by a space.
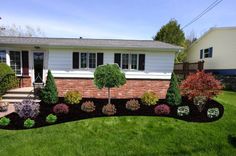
pixel 217 47
pixel 147 64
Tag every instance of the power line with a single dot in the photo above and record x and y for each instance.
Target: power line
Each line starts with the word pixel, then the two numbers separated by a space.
pixel 210 7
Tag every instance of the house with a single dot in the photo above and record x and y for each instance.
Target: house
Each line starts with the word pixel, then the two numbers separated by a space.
pixel 147 64
pixel 217 48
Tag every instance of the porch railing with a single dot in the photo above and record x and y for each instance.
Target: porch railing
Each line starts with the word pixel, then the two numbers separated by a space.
pixel 186 68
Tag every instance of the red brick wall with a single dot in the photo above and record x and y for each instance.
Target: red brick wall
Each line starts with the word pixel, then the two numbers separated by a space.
pixel 25 81
pixel 132 88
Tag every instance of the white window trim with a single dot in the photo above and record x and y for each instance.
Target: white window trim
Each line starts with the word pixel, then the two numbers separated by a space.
pixel 87 60
pixel 129 63
pixel 21 69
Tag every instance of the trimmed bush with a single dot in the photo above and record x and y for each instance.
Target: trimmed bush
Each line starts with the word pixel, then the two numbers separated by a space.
pixel 149 98
pixel 4 121
pixel 213 113
pixel 27 109
pixel 49 93
pixel 132 105
pixel 7 82
pixel 173 96
pixel 61 109
pixel 73 97
pixel 200 102
pixel 88 106
pixel 28 123
pixel 109 109
pixel 162 109
pixel 183 110
pixel 51 118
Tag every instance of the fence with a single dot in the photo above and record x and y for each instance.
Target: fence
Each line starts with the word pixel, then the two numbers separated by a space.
pixel 186 68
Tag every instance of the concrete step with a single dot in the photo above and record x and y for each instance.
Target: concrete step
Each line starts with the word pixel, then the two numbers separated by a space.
pixel 17 100
pixel 18 96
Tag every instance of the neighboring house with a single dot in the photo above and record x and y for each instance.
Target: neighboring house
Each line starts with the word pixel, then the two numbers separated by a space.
pixel 217 47
pixel 147 64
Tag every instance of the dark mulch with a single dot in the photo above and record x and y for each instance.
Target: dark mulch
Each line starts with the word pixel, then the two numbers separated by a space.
pixel 76 113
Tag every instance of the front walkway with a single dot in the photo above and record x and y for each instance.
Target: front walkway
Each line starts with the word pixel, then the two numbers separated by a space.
pixel 10 110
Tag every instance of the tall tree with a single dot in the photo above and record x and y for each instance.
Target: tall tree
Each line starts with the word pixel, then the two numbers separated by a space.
pixel 173 34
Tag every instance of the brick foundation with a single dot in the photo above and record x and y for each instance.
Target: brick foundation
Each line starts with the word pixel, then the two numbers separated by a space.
pixel 132 88
pixel 24 81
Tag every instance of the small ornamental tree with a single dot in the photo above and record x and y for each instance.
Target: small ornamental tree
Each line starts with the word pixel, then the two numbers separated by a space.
pixel 49 93
pixel 109 76
pixel 173 96
pixel 199 87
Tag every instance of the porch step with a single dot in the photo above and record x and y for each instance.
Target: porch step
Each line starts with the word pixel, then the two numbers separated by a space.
pixel 18 96
pixel 17 100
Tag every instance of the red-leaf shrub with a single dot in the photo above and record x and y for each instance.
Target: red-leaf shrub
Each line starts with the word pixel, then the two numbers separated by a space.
pixel 200 84
pixel 61 109
pixel 162 109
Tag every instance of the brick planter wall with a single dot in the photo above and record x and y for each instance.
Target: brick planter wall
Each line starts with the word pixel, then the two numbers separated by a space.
pixel 132 88
pixel 24 81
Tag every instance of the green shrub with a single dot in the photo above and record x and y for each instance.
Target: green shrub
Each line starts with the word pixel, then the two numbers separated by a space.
pixel 109 109
pixel 132 105
pixel 51 118
pixel 173 96
pixel 9 81
pixel 73 97
pixel 183 110
pixel 49 93
pixel 28 123
pixel 4 121
pixel 149 98
pixel 88 106
pixel 213 113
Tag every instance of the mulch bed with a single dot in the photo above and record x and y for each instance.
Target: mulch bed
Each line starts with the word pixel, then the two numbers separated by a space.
pixel 75 113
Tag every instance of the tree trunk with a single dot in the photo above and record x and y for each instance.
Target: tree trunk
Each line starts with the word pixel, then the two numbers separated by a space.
pixel 109 97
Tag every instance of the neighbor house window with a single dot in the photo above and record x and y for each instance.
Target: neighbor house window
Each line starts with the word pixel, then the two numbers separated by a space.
pixel 2 56
pixel 15 61
pixel 130 61
pixel 206 53
pixel 87 60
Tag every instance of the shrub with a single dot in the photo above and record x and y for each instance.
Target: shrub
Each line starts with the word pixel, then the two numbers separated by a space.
pixel 73 97
pixel 51 118
pixel 200 84
pixel 200 102
pixel 173 96
pixel 149 98
pixel 109 109
pixel 8 78
pixel 109 76
pixel 88 106
pixel 61 109
pixel 213 113
pixel 4 121
pixel 132 105
pixel 183 110
pixel 162 109
pixel 49 93
pixel 27 109
pixel 3 106
pixel 28 123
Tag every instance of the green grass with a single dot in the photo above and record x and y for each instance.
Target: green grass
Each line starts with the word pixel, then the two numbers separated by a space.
pixel 127 136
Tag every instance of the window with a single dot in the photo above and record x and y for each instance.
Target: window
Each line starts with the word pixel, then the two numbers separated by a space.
pixel 130 61
pixel 87 60
pixel 2 56
pixel 15 61
pixel 206 53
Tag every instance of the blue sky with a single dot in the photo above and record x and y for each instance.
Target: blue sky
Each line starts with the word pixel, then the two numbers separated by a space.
pixel 125 19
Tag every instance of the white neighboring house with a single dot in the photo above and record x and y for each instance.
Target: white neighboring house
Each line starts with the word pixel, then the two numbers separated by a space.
pixel 217 47
pixel 147 64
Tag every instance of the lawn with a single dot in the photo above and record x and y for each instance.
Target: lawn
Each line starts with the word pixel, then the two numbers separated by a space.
pixel 127 136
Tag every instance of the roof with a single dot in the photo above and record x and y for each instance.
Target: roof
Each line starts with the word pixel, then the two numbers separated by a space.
pixel 212 29
pixel 77 42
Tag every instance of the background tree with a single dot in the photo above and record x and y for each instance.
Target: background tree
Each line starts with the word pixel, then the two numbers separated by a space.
pixel 49 93
pixel 173 34
pixel 109 76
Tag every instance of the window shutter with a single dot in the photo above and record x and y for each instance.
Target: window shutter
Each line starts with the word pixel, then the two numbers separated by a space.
pixel 210 51
pixel 75 60
pixel 25 62
pixel 99 59
pixel 201 53
pixel 117 58
pixel 141 62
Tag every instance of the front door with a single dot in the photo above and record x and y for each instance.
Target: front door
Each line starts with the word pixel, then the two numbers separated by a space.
pixel 38 66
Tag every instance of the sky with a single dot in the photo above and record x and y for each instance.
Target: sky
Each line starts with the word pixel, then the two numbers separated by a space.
pixel 117 19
